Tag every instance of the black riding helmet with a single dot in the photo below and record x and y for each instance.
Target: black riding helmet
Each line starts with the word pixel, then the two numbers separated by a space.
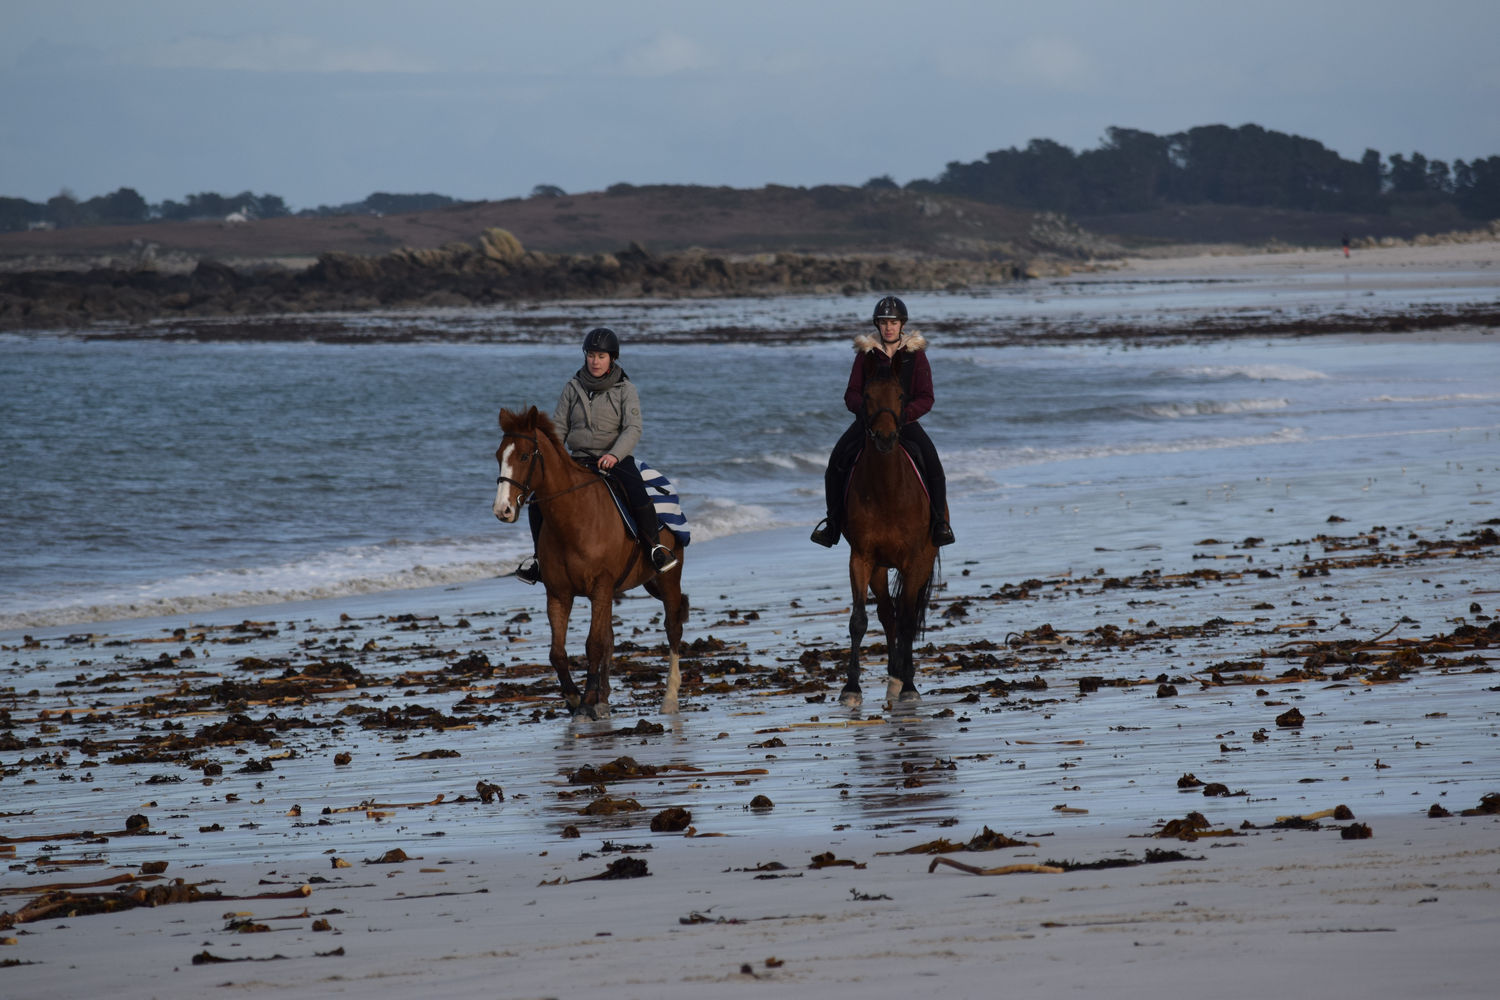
pixel 602 338
pixel 890 307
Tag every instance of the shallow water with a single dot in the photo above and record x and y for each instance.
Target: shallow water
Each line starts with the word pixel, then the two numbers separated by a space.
pixel 154 476
pixel 948 768
pixel 163 485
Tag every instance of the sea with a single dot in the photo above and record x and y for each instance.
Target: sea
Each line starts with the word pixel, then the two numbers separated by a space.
pixel 180 468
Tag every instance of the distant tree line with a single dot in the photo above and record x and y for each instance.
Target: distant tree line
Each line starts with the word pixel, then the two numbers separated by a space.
pixel 1135 171
pixel 1130 171
pixel 126 206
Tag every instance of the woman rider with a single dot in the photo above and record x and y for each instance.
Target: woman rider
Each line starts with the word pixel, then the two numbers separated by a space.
pixel 599 418
pixel 891 338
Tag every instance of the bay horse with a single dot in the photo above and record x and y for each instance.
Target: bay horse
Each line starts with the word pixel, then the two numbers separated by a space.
pixel 583 550
pixel 887 523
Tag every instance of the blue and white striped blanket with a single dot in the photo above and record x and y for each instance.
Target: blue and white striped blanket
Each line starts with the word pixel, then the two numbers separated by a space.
pixel 668 504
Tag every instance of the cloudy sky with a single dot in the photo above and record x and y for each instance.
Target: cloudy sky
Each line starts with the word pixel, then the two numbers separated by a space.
pixel 324 102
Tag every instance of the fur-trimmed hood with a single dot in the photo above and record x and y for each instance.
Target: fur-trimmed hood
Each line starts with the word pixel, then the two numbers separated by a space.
pixel 911 340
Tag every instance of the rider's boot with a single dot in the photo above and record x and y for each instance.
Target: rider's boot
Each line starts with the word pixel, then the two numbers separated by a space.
pixel 649 529
pixel 827 532
pixel 942 533
pixel 529 571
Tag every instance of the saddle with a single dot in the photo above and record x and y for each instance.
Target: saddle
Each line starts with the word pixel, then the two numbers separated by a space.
pixel 668 505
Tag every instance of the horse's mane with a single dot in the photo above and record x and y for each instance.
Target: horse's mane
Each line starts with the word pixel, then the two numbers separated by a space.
pixel 531 420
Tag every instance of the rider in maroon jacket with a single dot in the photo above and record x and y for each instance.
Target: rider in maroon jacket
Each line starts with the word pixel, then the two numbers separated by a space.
pixel 892 338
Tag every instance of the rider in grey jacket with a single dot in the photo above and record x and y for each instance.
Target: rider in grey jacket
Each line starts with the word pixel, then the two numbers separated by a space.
pixel 599 417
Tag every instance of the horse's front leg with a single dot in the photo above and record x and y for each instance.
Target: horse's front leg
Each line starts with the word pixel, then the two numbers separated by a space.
pixel 558 612
pixel 901 688
pixel 885 610
pixel 859 585
pixel 600 649
pixel 908 616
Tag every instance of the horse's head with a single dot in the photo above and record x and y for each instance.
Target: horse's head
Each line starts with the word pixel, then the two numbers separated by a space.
pixel 883 403
pixel 520 459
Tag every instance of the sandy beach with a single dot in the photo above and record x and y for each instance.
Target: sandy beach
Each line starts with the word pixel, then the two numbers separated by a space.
pixel 1262 763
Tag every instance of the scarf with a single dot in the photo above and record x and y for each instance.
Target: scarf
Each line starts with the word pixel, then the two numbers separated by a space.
pixel 608 380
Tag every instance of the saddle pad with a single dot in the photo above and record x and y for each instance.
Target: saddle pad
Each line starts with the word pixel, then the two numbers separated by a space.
pixel 668 504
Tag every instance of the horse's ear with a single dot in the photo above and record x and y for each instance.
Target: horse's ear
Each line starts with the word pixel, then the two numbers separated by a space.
pixel 503 414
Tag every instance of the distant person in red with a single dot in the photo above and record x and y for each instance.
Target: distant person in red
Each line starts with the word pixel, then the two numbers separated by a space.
pixel 892 337
pixel 1346 244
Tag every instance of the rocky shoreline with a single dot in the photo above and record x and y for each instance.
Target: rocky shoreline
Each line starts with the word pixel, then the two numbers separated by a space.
pixel 496 269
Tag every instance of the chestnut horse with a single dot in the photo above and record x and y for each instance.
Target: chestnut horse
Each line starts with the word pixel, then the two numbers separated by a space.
pixel 887 524
pixel 583 551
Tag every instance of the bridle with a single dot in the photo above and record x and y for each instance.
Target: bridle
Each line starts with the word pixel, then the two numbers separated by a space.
pixel 870 418
pixel 526 492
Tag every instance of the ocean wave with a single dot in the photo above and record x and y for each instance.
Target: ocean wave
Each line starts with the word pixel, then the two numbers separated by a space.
pixel 1450 397
pixel 1255 372
pixel 1212 407
pixel 713 517
pixel 373 569
pixel 782 461
pixel 152 605
pixel 986 460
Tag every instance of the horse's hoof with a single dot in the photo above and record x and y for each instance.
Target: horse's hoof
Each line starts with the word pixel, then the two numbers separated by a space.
pixel 599 710
pixel 911 696
pixel 851 699
pixel 669 705
pixel 892 689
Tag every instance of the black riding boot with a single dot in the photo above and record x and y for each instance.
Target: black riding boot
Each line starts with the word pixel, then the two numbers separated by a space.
pixel 529 572
pixel 829 529
pixel 648 529
pixel 937 493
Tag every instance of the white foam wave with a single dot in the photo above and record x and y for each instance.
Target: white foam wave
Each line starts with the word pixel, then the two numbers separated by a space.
pixel 1259 373
pixel 396 565
pixel 990 460
pixel 1213 407
pixel 712 517
pixel 158 605
pixel 1450 397
pixel 794 461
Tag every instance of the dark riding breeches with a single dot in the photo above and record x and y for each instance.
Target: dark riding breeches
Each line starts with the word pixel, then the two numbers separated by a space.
pixel 917 444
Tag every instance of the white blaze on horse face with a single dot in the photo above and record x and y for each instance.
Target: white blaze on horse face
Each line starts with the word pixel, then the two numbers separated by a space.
pixel 506 507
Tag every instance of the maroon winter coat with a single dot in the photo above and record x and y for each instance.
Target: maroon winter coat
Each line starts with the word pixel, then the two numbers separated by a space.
pixel 918 393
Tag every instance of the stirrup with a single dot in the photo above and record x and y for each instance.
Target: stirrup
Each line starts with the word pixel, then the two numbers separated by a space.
pixel 942 534
pixel 529 572
pixel 825 534
pixel 662 558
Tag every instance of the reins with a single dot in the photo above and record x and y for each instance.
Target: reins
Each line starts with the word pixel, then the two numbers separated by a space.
pixel 527 491
pixel 527 495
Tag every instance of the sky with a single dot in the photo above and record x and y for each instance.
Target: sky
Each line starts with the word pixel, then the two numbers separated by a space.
pixel 325 102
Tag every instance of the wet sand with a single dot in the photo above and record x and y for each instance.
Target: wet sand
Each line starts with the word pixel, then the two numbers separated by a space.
pixel 1239 767
pixel 1089 719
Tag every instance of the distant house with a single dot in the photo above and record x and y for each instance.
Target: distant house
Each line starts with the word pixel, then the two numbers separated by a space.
pixel 40 224
pixel 236 217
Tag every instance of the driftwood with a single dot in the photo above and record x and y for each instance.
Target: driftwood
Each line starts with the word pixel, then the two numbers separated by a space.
pixel 1002 870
